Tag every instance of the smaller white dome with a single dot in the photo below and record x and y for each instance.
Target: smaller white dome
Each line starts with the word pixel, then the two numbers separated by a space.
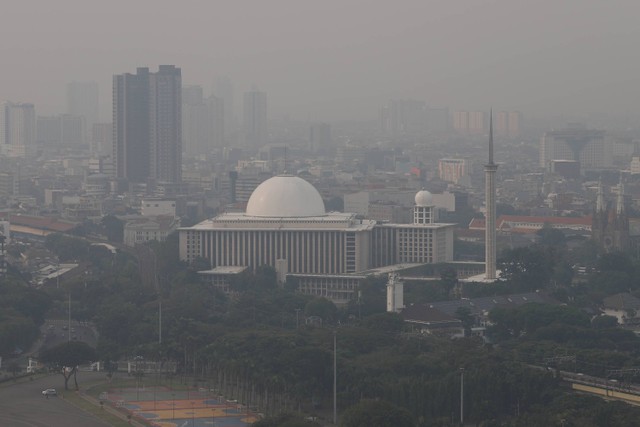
pixel 424 198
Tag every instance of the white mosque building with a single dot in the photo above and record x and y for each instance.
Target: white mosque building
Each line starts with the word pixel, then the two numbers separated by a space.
pixel 286 226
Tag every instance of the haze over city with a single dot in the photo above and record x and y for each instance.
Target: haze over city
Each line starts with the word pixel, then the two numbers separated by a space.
pixel 336 60
pixel 320 213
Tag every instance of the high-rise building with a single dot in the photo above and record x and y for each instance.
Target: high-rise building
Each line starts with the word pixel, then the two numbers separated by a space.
pixel 83 100
pixel 217 119
pixel 591 148
pixel 453 170
pixel 508 123
pixel 202 121
pixel 102 138
pixel 255 118
pixel 147 125
pixel 63 129
pixel 17 128
pixel 461 121
pixel 403 116
pixel 320 137
pixel 223 89
pixel 195 120
pixel 469 121
pixel 476 122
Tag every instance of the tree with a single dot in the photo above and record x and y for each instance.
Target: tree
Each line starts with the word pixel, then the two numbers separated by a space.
pixel 527 267
pixel 66 247
pixel 604 322
pixel 335 203
pixel 464 315
pixel 285 420
pixel 113 228
pixel 549 236
pixel 66 357
pixel 376 413
pixel 322 308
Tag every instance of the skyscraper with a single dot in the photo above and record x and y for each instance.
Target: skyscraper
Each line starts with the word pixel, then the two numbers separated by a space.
pixel 147 125
pixel 202 121
pixel 83 100
pixel 62 129
pixel 490 170
pixel 223 89
pixel 508 123
pixel 255 118
pixel 320 137
pixel 17 128
pixel 217 119
pixel 195 120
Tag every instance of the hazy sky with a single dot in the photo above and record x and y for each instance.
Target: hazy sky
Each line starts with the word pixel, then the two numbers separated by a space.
pixel 334 59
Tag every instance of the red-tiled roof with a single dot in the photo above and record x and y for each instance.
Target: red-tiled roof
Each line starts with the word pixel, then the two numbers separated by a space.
pixel 585 220
pixel 42 223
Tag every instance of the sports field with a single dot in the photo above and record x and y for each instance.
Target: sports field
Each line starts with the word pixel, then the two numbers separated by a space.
pixel 178 408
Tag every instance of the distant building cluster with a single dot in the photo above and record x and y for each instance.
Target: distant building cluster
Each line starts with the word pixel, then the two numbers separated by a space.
pixel 506 123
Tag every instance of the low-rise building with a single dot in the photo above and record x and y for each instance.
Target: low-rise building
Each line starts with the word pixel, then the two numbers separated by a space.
pixel 145 229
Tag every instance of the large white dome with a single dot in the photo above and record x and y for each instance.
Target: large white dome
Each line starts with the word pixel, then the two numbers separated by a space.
pixel 285 196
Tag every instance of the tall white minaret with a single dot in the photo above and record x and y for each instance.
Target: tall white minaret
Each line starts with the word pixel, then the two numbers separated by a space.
pixel 490 216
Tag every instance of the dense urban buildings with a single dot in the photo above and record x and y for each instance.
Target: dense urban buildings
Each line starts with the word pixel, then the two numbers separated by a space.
pixel 147 125
pixel 83 100
pixel 411 117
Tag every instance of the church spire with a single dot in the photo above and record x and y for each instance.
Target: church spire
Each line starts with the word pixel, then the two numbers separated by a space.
pixel 600 197
pixel 620 201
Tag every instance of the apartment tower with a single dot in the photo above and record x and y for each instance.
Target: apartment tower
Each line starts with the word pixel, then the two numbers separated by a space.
pixel 147 125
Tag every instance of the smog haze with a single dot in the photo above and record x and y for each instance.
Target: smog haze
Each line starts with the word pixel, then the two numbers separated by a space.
pixel 335 60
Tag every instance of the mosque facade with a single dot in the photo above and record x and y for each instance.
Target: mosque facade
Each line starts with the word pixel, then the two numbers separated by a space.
pixel 285 226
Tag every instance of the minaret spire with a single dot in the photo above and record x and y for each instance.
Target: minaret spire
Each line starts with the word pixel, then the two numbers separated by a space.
pixel 490 205
pixel 491 137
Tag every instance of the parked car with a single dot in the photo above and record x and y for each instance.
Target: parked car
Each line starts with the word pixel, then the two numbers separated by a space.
pixel 49 392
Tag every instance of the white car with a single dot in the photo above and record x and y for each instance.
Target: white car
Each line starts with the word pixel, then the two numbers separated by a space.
pixel 49 392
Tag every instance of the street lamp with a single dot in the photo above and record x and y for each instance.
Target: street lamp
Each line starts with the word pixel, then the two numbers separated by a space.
pixel 297 318
pixel 461 396
pixel 335 378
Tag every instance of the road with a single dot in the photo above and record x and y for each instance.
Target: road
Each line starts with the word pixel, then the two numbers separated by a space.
pixel 23 405
pixel 55 332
